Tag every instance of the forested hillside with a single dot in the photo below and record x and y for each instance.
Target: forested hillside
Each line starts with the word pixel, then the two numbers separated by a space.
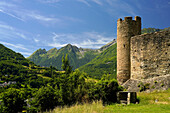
pixel 53 57
pixel 104 63
pixel 12 62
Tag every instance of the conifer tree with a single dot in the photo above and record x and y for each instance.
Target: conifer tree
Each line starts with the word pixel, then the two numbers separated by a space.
pixel 66 65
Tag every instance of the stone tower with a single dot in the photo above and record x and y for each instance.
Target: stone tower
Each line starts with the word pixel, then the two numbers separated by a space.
pixel 125 30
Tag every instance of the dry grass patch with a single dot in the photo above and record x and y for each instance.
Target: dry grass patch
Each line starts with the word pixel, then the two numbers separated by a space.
pixel 95 107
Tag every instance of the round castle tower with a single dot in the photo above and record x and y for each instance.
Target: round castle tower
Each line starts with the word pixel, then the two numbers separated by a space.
pixel 125 30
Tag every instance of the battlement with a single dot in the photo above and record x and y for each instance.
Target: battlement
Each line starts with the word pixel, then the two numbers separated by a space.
pixel 129 18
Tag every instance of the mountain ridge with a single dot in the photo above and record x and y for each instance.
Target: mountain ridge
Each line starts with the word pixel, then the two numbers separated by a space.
pixel 77 56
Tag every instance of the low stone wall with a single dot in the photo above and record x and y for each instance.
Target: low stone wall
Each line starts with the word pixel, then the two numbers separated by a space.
pixel 148 85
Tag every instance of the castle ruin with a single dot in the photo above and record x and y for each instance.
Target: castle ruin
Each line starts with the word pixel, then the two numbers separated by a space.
pixel 139 56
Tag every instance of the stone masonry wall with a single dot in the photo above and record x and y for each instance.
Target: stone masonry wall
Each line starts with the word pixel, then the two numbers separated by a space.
pixel 150 55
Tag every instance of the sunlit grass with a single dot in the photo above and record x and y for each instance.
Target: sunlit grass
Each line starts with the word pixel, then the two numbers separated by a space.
pixel 155 102
pixel 95 107
pixel 40 75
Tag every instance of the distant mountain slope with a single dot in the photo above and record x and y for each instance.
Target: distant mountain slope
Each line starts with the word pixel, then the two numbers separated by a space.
pixel 104 63
pixel 108 45
pixel 53 57
pixel 152 30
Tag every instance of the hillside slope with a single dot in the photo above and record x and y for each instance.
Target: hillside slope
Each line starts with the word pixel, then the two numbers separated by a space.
pixel 12 62
pixel 104 63
pixel 53 57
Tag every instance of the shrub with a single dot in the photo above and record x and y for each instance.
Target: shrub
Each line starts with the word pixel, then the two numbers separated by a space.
pixel 13 100
pixel 46 98
pixel 47 73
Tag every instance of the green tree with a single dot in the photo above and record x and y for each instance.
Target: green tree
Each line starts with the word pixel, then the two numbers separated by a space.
pixel 13 100
pixel 66 65
pixel 46 98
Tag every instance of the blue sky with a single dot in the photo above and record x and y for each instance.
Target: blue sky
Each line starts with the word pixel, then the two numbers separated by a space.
pixel 27 25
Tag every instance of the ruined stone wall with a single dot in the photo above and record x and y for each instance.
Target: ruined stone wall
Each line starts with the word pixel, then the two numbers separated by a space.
pixel 150 55
pixel 125 30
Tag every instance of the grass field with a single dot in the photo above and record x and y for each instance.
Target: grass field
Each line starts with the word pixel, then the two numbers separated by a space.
pixel 155 102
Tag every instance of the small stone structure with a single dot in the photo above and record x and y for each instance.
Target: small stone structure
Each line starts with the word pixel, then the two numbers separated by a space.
pixel 141 57
pixel 125 97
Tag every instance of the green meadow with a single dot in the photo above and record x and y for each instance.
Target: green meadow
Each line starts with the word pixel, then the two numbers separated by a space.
pixel 154 102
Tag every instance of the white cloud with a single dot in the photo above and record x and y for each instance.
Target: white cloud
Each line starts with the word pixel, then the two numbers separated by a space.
pixel 17 46
pixel 9 14
pixel 6 26
pixel 36 40
pixel 84 1
pixel 23 14
pixel 41 17
pixel 118 8
pixel 56 44
pixel 7 31
pixel 5 4
pixel 26 53
pixel 21 35
pixel 98 2
pixel 19 13
pixel 48 1
pixel 86 40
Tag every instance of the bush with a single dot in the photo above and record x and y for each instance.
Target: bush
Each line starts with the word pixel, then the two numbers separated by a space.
pixel 46 98
pixel 47 74
pixel 25 64
pixel 13 100
pixel 109 89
